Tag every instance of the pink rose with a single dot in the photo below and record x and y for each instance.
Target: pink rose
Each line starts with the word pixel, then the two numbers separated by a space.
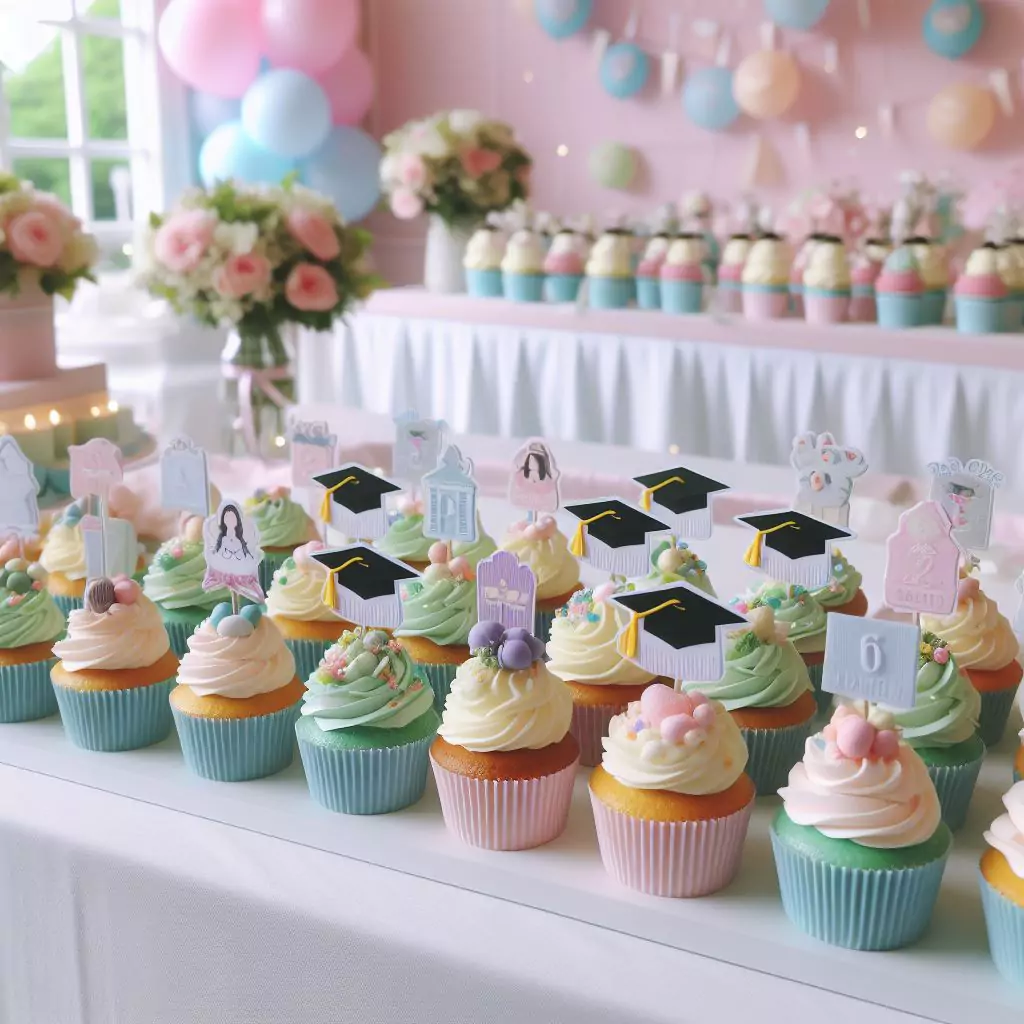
pixel 35 238
pixel 478 162
pixel 314 233
pixel 412 171
pixel 183 239
pixel 48 203
pixel 311 289
pixel 405 204
pixel 242 275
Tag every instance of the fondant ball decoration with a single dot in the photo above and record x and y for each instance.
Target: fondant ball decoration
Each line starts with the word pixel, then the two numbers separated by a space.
pixel 485 634
pixel 708 99
pixel 219 613
pixel 253 613
pixel 952 27
pixel 287 113
pixel 562 18
pixel 100 596
pixel 346 170
pixel 228 153
pixel 515 655
pixel 126 591
pixel 670 560
pixel 799 14
pixel 375 640
pixel 612 165
pixel 36 572
pixel 962 116
pixel 766 83
pixel 679 717
pixel 624 70
pixel 514 649
pixel 235 626
pixel 875 738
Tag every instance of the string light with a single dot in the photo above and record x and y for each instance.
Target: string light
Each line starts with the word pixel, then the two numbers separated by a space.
pixel 562 150
pixel 861 132
pixel 673 449
pixel 55 417
pixel 113 406
pixel 30 422
pixel 95 410
pixel 279 441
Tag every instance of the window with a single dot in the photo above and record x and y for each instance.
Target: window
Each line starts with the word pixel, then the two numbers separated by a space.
pixel 79 109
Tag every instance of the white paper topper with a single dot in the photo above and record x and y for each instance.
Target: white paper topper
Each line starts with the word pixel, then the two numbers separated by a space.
pixel 184 477
pixel 418 446
pixel 1018 618
pixel 449 502
pixel 116 554
pixel 19 489
pixel 825 475
pixel 966 492
pixel 231 543
pixel 314 450
pixel 872 660
pixel 533 483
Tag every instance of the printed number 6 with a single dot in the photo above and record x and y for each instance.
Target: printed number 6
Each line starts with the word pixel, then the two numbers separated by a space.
pixel 870 654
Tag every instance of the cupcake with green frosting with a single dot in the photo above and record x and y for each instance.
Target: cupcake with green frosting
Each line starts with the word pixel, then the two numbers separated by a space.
pixel 30 623
pixel 676 563
pixel 174 583
pixel 474 552
pixel 404 539
pixel 842 593
pixel 367 723
pixel 283 525
pixel 768 692
pixel 438 611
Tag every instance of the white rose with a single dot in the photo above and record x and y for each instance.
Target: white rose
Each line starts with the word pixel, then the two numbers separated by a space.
pixel 464 121
pixel 237 239
pixel 80 252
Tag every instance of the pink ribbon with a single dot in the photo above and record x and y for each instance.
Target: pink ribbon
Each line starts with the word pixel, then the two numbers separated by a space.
pixel 248 585
pixel 250 378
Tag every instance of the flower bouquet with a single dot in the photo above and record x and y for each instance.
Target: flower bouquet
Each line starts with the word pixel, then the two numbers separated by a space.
pixel 261 260
pixel 457 166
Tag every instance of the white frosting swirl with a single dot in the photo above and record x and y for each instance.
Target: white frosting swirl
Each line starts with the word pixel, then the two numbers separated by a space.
pixel 768 262
pixel 982 262
pixel 978 634
pixel 735 252
pixel 1007 832
pixel 298 587
pixel 236 667
pixel 827 267
pixel 485 250
pixel 684 252
pixel 524 254
pixel 64 551
pixel 126 636
pixel 611 256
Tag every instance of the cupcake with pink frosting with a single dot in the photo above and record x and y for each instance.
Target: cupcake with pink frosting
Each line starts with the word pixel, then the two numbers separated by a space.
pixel 864 273
pixel 730 273
pixel 899 290
pixel 648 272
pixel 563 268
pixel 859 843
pixel 682 275
pixel 981 293
pixel 827 282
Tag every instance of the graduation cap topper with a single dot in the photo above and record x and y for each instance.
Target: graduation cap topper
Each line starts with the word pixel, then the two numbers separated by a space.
pixel 364 586
pixel 614 535
pixel 353 500
pixel 683 497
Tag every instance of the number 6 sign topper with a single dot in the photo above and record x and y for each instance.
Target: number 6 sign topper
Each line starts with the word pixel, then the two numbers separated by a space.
pixel 871 659
pixel 95 467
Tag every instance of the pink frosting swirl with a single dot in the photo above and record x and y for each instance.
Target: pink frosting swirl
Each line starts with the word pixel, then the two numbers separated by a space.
pixel 650 267
pixel 563 263
pixel 125 636
pixel 682 272
pixel 236 667
pixel 900 282
pixel 981 286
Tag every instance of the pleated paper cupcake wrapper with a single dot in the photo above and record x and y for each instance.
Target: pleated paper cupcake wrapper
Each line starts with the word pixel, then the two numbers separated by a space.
pixel 671 858
pixel 26 692
pixel 590 726
pixel 272 561
pixel 307 655
pixel 112 720
pixel 821 698
pixel 68 604
pixel 237 749
pixel 996 706
pixel 955 786
pixel 854 907
pixel 440 678
pixel 366 781
pixel 515 814
pixel 1004 921
pixel 178 633
pixel 773 752
pixel 542 624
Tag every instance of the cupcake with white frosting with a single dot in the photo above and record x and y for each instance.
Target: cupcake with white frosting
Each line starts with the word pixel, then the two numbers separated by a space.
pixel 648 271
pixel 610 283
pixel 1010 264
pixel 827 282
pixel 482 262
pixel 682 275
pixel 522 267
pixel 933 264
pixel 1002 887
pixel 766 279
pixel 730 273
pixel 981 293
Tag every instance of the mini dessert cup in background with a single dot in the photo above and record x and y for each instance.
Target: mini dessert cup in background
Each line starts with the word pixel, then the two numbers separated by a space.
pixel 63 558
pixel 766 279
pixel 1002 887
pixel 1010 265
pixel 827 282
pixel 682 275
pixel 648 272
pixel 482 263
pixel 863 275
pixel 899 290
pixel 729 296
pixel 609 270
pixel 522 267
pixel 981 294
pixel 563 268
pixel 932 263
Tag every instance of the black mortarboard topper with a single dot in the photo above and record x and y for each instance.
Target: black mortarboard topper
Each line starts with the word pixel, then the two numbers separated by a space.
pixel 363 585
pixel 677 631
pixel 614 536
pixel 792 547
pixel 353 501
pixel 683 498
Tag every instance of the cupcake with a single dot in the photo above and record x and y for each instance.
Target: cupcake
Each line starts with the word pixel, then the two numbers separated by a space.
pixel 1016 246
pixel 366 727
pixel 827 282
pixel 283 525
pixel 30 622
pixel 1018 760
pixel 404 539
pixel 981 293
pixel 934 270
pixel 438 611
pixel 115 669
pixel 174 583
pixel 504 759
pixel 863 275
pixel 482 263
pixel 859 843
pixel 676 563
pixel 796 273
pixel 730 274
pixel 670 797
pixel 295 603
pixel 563 268
pixel 474 551
pixel 63 558
pixel 766 279
pixel 648 272
pixel 768 693
pixel 584 652
pixel 237 697
pixel 522 267
pixel 899 290
pixel 545 550
pixel 842 593
pixel 878 249
pixel 1002 887
pixel 982 641
pixel 1010 264
pixel 682 275
pixel 609 270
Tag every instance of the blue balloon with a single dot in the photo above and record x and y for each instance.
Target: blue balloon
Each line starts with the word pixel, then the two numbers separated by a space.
pixel 624 70
pixel 708 99
pixel 798 14
pixel 562 18
pixel 229 154
pixel 286 112
pixel 346 169
pixel 209 111
pixel 952 27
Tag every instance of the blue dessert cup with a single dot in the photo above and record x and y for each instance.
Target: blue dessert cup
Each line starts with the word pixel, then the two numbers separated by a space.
pixel 523 287
pixel 933 306
pixel 686 297
pixel 485 284
pixel 898 310
pixel 954 772
pixel 979 316
pixel 610 292
pixel 648 292
pixel 562 287
pixel 1013 312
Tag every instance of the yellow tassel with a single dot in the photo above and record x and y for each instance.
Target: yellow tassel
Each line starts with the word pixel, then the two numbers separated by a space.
pixel 630 640
pixel 330 592
pixel 647 492
pixel 325 503
pixel 753 553
pixel 578 546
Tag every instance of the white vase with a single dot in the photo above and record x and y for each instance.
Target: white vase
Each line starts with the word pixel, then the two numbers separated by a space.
pixel 446 246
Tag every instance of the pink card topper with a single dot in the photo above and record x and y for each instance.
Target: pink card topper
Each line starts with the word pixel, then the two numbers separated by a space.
pixel 922 565
pixel 231 543
pixel 314 448
pixel 825 475
pixel 506 591
pixel 533 484
pixel 95 467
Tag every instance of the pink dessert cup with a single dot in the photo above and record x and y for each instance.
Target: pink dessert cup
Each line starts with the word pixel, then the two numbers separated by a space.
pixel 729 298
pixel 863 308
pixel 765 301
pixel 825 306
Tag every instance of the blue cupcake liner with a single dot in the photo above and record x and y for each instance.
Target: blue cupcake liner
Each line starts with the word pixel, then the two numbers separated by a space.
pixel 484 284
pixel 26 692
pixel 996 706
pixel 933 306
pixel 773 752
pixel 542 624
pixel 898 311
pixel 272 561
pixel 238 749
pixel 979 316
pixel 367 781
pixel 68 604
pixel 112 720
pixel 180 632
pixel 648 292
pixel 1013 313
pixel 523 287
pixel 1004 921
pixel 562 287
pixel 856 908
pixel 440 678
pixel 955 786
pixel 307 655
pixel 682 296
pixel 610 292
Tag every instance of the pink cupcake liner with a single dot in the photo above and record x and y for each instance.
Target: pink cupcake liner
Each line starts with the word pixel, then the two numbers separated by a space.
pixel 863 308
pixel 826 309
pixel 671 858
pixel 505 815
pixel 590 726
pixel 765 305
pixel 729 298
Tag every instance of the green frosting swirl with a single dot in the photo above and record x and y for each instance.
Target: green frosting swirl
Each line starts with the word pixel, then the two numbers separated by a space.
pixel 27 619
pixel 842 587
pixel 442 609
pixel 692 569
pixel 174 579
pixel 282 523
pixel 404 539
pixel 796 607
pixel 476 551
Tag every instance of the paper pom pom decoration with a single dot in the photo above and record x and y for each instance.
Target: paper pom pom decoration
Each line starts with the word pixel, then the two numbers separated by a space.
pixel 962 115
pixel 708 99
pixel 612 165
pixel 766 83
pixel 799 14
pixel 562 18
pixel 624 70
pixel 952 27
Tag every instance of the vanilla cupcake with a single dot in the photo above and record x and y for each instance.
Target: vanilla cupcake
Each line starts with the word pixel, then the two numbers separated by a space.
pixel 482 262
pixel 648 271
pixel 766 279
pixel 981 293
pixel 682 275
pixel 563 268
pixel 730 273
pixel 1010 264
pixel 933 265
pixel 63 558
pixel 609 270
pixel 1002 887
pixel 827 282
pixel 522 267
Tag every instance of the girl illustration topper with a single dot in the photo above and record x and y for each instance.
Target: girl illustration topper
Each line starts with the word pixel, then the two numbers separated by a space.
pixel 233 553
pixel 533 484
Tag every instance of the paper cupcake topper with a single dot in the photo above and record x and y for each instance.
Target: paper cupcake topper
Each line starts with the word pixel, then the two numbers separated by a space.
pixel 184 478
pixel 449 499
pixel 111 547
pixel 19 490
pixel 364 586
pixel 826 472
pixel 533 484
pixel 95 467
pixel 506 591
pixel 922 562
pixel 682 498
pixel 353 500
pixel 792 547
pixel 614 536
pixel 967 493
pixel 313 451
pixel 418 446
pixel 872 660
pixel 231 543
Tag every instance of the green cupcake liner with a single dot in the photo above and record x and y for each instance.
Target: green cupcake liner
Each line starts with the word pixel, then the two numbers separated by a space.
pixel 773 752
pixel 955 786
pixel 1004 921
pixel 440 678
pixel 26 692
pixel 180 624
pixel 68 604
pixel 307 655
pixel 112 720
pixel 996 706
pixel 272 561
pixel 542 624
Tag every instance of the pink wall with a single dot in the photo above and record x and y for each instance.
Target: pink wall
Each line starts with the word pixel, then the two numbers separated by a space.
pixel 476 53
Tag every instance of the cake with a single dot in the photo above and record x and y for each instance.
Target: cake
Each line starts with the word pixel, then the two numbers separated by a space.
pixel 1002 887
pixel 899 290
pixel 981 293
pixel 609 270
pixel 522 267
pixel 648 272
pixel 283 525
pixel 766 279
pixel 827 282
pixel 482 263
pixel 682 275
pixel 563 268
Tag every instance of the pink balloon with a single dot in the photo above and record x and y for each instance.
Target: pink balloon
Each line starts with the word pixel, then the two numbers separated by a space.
pixel 349 86
pixel 212 45
pixel 309 35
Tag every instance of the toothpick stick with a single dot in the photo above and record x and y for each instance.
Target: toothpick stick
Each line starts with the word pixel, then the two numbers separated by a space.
pixel 103 534
pixel 234 603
